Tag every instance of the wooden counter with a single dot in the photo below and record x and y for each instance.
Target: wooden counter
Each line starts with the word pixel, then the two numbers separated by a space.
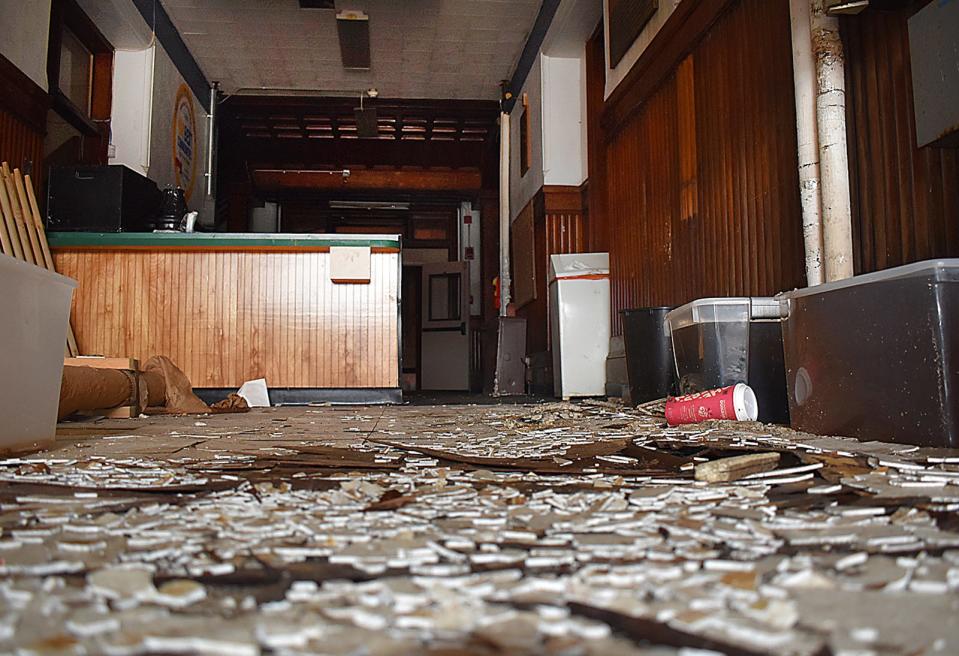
pixel 232 307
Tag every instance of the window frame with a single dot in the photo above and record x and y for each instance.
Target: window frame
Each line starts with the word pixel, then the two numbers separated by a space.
pixel 67 14
pixel 525 143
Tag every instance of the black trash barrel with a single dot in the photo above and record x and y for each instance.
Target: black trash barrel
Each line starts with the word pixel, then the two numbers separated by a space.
pixel 649 354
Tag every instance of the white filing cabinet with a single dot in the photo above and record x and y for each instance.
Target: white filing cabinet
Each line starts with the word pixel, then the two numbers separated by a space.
pixel 579 323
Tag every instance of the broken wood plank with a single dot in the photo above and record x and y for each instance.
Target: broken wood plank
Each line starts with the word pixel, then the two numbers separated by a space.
pixel 736 467
pixel 127 364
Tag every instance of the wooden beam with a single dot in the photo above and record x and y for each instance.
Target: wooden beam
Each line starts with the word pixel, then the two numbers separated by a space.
pixel 461 180
pixel 98 362
pixel 316 153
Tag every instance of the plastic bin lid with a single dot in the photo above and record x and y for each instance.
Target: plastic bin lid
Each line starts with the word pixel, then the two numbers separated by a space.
pixel 11 266
pixel 573 265
pixel 722 310
pixel 946 270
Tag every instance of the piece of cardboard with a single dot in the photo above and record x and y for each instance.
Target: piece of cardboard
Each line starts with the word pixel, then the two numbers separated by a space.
pixel 350 264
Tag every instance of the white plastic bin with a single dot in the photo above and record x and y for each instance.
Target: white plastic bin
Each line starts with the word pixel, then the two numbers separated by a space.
pixel 579 321
pixel 33 337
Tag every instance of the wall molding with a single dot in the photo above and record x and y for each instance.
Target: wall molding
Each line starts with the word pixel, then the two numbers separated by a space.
pixel 562 198
pixel 23 97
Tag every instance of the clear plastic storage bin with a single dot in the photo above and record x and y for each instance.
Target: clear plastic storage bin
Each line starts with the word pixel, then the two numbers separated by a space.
pixel 723 341
pixel 33 337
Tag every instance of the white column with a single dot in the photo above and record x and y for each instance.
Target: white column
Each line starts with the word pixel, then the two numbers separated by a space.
pixel 504 216
pixel 833 156
pixel 806 88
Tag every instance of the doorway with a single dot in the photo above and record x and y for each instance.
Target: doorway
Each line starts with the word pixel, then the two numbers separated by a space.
pixel 445 327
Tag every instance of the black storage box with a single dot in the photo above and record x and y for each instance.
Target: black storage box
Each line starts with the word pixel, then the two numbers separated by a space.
pixel 876 356
pixel 101 199
pixel 723 341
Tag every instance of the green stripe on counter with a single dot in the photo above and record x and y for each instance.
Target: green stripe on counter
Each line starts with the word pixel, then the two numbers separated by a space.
pixel 213 240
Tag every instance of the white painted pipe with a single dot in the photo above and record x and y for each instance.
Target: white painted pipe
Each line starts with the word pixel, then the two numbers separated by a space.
pixel 504 217
pixel 833 156
pixel 804 78
pixel 210 144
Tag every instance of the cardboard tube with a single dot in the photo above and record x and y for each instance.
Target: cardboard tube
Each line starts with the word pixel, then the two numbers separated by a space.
pixel 156 389
pixel 86 388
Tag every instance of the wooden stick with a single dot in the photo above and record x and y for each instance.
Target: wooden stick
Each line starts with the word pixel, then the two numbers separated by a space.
pixel 72 348
pixel 6 246
pixel 38 224
pixel 25 248
pixel 28 221
pixel 10 223
pixel 725 470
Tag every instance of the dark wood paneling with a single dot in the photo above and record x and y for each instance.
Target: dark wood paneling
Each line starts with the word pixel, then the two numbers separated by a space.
pixel 558 227
pixel 905 200
pixel 20 144
pixel 22 97
pixel 703 191
pixel 23 120
pixel 595 139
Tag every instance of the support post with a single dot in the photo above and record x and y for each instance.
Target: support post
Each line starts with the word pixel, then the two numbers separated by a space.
pixel 806 87
pixel 833 155
pixel 210 142
pixel 504 213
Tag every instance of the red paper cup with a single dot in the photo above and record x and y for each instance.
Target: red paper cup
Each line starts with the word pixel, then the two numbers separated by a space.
pixel 733 402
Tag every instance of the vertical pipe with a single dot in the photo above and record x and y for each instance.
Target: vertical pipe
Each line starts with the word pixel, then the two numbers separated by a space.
pixel 833 156
pixel 210 128
pixel 504 217
pixel 804 78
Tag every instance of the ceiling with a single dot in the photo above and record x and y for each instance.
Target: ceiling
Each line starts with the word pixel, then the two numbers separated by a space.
pixel 457 49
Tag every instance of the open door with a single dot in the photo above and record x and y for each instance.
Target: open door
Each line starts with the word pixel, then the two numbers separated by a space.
pixel 445 354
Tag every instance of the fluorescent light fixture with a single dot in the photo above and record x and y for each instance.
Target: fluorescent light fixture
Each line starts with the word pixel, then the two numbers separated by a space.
pixel 368 205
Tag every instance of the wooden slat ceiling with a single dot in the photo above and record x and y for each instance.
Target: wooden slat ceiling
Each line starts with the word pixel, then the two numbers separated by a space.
pixel 397 120
pixel 261 133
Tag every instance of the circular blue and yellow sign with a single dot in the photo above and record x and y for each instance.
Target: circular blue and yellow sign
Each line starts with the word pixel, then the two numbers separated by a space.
pixel 184 141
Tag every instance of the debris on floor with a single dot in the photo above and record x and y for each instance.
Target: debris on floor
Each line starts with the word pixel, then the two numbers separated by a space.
pixel 554 528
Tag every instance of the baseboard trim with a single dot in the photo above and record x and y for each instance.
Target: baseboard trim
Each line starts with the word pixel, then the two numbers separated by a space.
pixel 308 395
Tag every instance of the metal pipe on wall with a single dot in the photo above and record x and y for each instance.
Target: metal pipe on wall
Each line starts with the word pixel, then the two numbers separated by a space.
pixel 504 215
pixel 833 155
pixel 806 87
pixel 210 142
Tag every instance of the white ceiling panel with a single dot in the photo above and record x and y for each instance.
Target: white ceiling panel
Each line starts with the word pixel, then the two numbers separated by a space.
pixel 419 48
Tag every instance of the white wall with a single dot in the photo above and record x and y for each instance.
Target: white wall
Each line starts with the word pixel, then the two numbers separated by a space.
pixel 564 129
pixel 24 36
pixel 166 83
pixel 616 75
pixel 132 115
pixel 522 188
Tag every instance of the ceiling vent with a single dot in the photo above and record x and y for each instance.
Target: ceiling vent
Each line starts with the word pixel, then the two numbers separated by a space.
pixel 316 4
pixel 353 28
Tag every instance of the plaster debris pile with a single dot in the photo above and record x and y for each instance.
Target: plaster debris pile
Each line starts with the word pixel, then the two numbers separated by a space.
pixel 556 529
